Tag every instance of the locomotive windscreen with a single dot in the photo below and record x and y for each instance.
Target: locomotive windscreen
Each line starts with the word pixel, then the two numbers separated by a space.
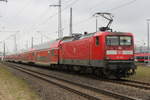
pixel 119 40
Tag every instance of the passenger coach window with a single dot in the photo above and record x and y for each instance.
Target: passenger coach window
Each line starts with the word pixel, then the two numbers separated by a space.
pixel 97 41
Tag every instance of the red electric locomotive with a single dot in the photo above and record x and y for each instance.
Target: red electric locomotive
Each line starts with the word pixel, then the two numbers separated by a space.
pixel 107 53
pixel 104 53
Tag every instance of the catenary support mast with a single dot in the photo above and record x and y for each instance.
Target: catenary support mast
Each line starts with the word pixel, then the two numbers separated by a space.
pixel 60 33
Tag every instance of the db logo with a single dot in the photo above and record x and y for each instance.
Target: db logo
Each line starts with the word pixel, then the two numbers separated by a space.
pixel 119 52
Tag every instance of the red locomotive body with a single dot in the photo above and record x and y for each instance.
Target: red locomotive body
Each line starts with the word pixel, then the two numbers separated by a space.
pixel 108 52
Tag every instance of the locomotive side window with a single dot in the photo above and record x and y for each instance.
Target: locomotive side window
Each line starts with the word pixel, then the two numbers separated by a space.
pixel 97 40
pixel 112 40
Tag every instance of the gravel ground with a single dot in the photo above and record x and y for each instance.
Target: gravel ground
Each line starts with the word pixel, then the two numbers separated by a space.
pixel 126 90
pixel 46 90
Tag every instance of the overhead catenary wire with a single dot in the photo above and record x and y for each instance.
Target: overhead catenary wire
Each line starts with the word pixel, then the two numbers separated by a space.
pixel 89 18
pixel 96 6
pixel 39 17
pixel 45 21
pixel 34 26
pixel 82 21
pixel 69 5
pixel 24 29
pixel 20 10
pixel 77 1
pixel 112 9
pixel 50 17
pixel 122 5
pixel 23 8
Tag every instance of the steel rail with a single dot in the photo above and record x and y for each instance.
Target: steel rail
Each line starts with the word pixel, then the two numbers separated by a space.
pixel 132 83
pixel 136 84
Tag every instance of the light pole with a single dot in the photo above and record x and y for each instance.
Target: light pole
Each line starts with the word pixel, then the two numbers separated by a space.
pixel 148 46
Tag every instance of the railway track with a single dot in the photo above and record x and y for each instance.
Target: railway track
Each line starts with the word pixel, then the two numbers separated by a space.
pixel 138 82
pixel 88 92
pixel 132 83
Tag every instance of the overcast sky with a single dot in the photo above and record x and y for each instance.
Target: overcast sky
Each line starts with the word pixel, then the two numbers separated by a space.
pixel 29 18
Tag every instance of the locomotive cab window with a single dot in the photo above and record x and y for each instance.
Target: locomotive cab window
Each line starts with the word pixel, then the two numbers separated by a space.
pixel 97 40
pixel 125 40
pixel 119 40
pixel 112 40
